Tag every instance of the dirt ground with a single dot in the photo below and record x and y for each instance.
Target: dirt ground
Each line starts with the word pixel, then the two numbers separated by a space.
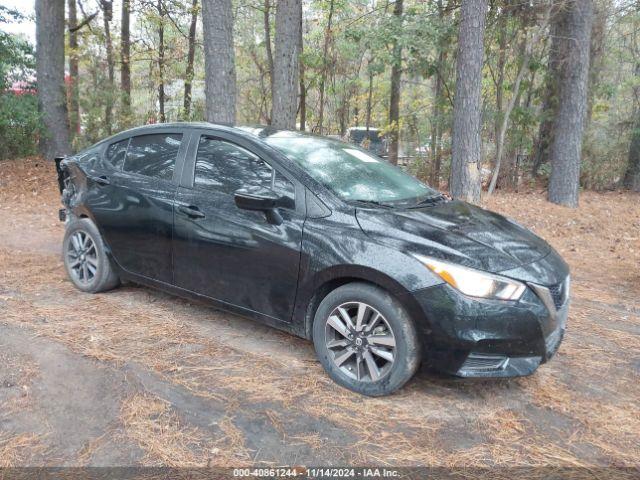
pixel 137 377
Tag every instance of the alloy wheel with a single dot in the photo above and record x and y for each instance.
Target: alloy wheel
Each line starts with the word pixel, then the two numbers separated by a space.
pixel 360 341
pixel 82 257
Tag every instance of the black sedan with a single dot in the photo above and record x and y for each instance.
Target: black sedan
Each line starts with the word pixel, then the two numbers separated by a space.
pixel 319 238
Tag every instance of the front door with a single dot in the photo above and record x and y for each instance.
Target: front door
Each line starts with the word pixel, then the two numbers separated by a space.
pixel 232 255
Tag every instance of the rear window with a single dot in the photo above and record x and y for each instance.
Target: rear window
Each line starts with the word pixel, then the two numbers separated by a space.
pixel 153 155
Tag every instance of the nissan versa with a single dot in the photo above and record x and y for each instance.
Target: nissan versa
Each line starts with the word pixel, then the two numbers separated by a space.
pixel 319 238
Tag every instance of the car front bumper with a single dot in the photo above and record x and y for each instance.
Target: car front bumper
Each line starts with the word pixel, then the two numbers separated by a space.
pixel 471 337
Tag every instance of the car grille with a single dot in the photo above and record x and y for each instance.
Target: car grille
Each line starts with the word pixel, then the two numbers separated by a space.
pixel 560 293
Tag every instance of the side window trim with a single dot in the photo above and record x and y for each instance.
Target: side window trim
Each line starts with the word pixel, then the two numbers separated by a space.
pixel 126 152
pixel 106 150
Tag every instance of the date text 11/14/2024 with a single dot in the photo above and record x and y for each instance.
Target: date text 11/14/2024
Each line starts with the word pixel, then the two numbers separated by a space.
pixel 316 472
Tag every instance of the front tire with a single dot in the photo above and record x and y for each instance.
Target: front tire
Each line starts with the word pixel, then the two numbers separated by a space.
pixel 366 340
pixel 85 258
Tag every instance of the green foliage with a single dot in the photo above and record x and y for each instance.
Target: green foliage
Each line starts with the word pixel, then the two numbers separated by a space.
pixel 19 118
pixel 19 125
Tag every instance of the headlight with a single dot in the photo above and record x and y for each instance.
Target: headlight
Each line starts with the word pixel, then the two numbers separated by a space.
pixel 474 283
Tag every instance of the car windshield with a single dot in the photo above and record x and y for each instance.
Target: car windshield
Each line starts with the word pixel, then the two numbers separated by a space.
pixel 351 172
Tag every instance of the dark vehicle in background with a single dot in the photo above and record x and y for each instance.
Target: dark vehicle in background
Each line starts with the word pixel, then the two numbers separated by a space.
pixel 318 238
pixel 370 139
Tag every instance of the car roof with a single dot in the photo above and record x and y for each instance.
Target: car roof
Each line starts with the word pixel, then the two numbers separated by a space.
pixel 255 132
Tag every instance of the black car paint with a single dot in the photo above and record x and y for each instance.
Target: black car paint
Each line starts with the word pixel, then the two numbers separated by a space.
pixel 277 274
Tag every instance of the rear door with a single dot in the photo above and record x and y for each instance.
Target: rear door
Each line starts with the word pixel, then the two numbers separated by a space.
pixel 228 254
pixel 134 209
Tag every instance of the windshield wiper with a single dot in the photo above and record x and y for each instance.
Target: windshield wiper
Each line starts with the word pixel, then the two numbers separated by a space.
pixel 432 200
pixel 372 203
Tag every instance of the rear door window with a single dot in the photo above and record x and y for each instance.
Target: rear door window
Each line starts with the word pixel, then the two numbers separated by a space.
pixel 153 155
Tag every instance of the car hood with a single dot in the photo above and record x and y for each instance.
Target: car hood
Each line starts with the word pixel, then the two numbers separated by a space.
pixel 457 232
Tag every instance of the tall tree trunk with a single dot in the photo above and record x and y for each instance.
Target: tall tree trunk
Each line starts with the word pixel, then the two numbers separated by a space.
pixel 191 55
pixel 161 94
pixel 546 132
pixel 436 126
pixel 325 63
pixel 285 64
pixel 394 100
pixel 502 60
pixel 566 149
pixel 220 65
pixel 436 151
pixel 303 88
pixel 125 60
pixel 74 105
pixel 267 40
pixel 107 16
pixel 52 100
pixel 601 12
pixel 466 145
pixel 632 175
pixel 367 121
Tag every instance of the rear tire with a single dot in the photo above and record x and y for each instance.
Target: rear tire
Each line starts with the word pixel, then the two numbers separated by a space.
pixel 366 340
pixel 85 258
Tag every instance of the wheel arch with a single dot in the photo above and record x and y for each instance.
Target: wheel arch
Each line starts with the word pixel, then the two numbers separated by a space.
pixel 335 277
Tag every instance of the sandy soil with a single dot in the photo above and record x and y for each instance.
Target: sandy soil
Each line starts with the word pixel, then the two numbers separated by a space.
pixel 136 377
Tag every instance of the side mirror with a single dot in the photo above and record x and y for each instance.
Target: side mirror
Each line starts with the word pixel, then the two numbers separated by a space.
pixel 260 199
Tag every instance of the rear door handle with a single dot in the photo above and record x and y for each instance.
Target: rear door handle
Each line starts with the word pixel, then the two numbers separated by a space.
pixel 191 211
pixel 101 180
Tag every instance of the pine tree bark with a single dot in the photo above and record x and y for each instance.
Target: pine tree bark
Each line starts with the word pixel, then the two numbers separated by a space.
pixel 566 149
pixel 325 64
pixel 125 59
pixel 601 12
pixel 107 16
pixel 220 69
pixel 191 55
pixel 52 100
pixel 74 104
pixel 303 88
pixel 466 146
pixel 367 117
pixel 436 150
pixel 631 178
pixel 632 175
pixel 285 64
pixel 161 93
pixel 394 99
pixel 267 40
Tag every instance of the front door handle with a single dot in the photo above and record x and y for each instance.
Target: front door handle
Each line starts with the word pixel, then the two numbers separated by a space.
pixel 101 180
pixel 191 211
